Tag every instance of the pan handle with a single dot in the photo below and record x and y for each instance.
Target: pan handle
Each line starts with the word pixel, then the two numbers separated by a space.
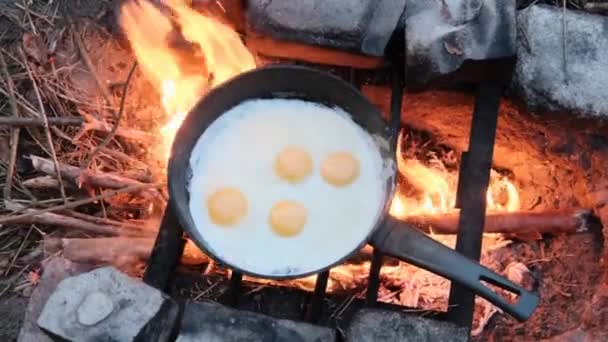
pixel 401 240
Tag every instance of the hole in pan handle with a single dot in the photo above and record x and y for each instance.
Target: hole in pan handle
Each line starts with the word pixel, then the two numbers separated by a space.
pixel 403 241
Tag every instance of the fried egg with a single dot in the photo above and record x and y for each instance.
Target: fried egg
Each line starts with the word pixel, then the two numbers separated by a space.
pixel 285 187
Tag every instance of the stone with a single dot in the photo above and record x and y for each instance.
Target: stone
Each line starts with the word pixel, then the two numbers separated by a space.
pixel 547 83
pixel 363 26
pixel 203 321
pixel 441 35
pixel 370 325
pixel 105 304
pixel 53 272
pixel 94 309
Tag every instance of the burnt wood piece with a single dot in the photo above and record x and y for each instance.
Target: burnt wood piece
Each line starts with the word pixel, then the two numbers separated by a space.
pixel 363 26
pixel 168 249
pixel 203 321
pixel 473 185
pixel 283 49
pixel 442 35
pixel 548 222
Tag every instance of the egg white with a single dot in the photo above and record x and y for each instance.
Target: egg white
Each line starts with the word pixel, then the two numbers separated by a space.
pixel 238 150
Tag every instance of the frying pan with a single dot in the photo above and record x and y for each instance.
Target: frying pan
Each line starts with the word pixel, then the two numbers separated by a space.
pixel 389 235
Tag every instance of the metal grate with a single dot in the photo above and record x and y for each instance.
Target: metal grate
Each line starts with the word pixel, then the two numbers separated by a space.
pixel 473 179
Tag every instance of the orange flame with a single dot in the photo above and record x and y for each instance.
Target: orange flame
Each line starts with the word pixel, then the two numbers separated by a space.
pixel 439 190
pixel 216 53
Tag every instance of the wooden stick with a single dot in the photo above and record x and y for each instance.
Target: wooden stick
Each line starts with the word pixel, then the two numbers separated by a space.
pixel 75 174
pixel 34 122
pixel 116 251
pixel 47 131
pixel 44 182
pixel 33 216
pixel 94 124
pixel 549 222
pixel 14 140
pixel 75 204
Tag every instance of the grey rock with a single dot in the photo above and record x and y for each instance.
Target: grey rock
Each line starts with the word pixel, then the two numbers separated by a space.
pixel 363 26
pixel 134 307
pixel 441 35
pixel 543 80
pixel 54 271
pixel 94 309
pixel 371 325
pixel 216 323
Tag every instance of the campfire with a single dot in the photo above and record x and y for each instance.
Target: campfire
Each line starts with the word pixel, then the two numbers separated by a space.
pixel 99 173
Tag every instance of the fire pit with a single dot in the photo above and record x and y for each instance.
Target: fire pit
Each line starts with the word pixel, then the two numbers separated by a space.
pixel 479 172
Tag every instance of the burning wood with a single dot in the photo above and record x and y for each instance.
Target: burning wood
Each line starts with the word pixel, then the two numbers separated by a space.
pixel 548 222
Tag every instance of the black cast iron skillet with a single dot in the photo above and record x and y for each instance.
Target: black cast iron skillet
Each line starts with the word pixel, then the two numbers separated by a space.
pixel 389 235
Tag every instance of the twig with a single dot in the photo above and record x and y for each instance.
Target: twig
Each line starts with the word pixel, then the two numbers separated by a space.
pixel 110 136
pixel 44 182
pixel 46 125
pixel 76 174
pixel 78 203
pixel 8 186
pixel 87 61
pixel 35 122
pixel 125 158
pixel 12 281
pixel 94 124
pixel 100 220
pixel 25 239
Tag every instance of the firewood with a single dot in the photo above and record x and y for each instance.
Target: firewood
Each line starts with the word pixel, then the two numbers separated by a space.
pixel 77 176
pixel 24 214
pixel 116 250
pixel 270 47
pixel 548 222
pixel 31 216
pixel 35 122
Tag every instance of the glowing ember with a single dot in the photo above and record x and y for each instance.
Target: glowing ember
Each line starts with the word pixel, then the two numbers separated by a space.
pixel 182 75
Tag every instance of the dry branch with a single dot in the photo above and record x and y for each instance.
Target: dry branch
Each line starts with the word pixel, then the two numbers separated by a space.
pixel 75 174
pixel 33 216
pixel 34 122
pixel 116 251
pixel 70 205
pixel 14 141
pixel 47 131
pixel 94 124
pixel 44 182
pixel 549 222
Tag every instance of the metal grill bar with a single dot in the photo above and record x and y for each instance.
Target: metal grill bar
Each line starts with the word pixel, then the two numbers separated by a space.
pixel 473 186
pixel 236 279
pixel 167 251
pixel 373 280
pixel 316 304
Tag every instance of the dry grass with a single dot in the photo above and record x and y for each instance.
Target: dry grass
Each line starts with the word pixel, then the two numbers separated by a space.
pixel 50 70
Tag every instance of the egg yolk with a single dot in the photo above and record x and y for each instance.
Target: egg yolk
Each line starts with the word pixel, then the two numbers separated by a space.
pixel 227 206
pixel 287 218
pixel 340 169
pixel 293 164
